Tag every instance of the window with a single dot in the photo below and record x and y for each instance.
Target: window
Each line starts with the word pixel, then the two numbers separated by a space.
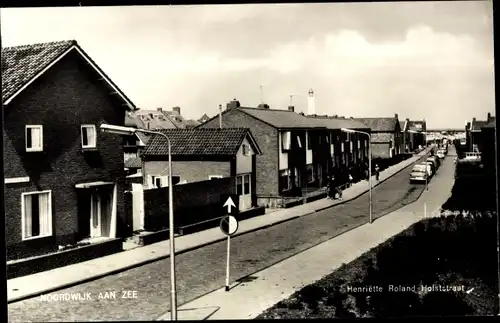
pixel 332 149
pixel 359 144
pixel 299 143
pixel 327 139
pixel 246 150
pixel 34 138
pixel 214 177
pixel 309 140
pixel 243 184
pixel 36 214
pixel 350 146
pixel 285 140
pixel 158 181
pixel 88 136
pixel 297 178
pixel 285 180
pixel 310 173
pixel 342 147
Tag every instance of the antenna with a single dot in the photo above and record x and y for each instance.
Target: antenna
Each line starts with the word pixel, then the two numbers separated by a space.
pixel 291 99
pixel 261 97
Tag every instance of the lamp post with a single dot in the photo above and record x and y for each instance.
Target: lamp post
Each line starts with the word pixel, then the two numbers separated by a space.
pixel 369 162
pixel 128 131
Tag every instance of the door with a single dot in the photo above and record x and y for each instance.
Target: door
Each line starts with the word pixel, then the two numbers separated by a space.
pixel 137 207
pixel 100 210
pixel 243 183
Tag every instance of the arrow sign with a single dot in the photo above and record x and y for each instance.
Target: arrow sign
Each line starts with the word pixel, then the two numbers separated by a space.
pixel 229 203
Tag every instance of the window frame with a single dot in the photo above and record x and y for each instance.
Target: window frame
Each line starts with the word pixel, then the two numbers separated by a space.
pixel 92 126
pixel 287 174
pixel 33 149
pixel 23 215
pixel 211 177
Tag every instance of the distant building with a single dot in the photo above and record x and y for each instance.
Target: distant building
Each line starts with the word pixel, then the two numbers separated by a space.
pixel 386 136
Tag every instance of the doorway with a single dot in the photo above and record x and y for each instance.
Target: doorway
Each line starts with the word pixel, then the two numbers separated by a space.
pixel 101 202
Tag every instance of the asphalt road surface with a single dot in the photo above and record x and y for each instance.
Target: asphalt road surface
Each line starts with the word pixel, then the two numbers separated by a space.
pixel 203 270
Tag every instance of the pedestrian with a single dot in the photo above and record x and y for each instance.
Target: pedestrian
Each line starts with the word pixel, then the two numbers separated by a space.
pixel 330 187
pixel 377 172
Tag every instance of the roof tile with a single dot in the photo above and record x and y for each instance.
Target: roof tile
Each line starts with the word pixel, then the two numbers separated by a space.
pixel 21 63
pixel 198 141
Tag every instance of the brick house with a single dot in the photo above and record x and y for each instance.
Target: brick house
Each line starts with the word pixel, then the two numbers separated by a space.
pixel 474 133
pixel 386 136
pixel 201 155
pixel 413 134
pixel 296 150
pixel 63 178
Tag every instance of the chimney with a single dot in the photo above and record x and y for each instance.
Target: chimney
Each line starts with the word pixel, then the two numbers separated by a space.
pixel 396 116
pixel 489 117
pixel 311 104
pixel 291 108
pixel 473 119
pixel 220 116
pixel 159 109
pixel 263 106
pixel 176 111
pixel 233 104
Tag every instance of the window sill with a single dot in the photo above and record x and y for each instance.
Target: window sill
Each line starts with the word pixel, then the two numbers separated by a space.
pixel 37 237
pixel 89 149
pixel 34 150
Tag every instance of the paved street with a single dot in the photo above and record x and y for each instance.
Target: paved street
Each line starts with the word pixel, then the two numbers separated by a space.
pixel 202 270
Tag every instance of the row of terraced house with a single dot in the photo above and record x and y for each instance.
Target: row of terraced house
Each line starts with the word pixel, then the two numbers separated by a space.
pixel 68 182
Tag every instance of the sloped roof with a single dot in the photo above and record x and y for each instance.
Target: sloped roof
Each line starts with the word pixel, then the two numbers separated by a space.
pixel 143 137
pixel 414 125
pixel 151 120
pixel 189 123
pixel 379 124
pixel 23 64
pixel 133 162
pixel 478 124
pixel 203 118
pixel 492 124
pixel 338 123
pixel 281 119
pixel 200 142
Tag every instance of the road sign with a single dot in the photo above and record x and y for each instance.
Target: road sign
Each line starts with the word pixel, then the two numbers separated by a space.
pixel 229 225
pixel 230 203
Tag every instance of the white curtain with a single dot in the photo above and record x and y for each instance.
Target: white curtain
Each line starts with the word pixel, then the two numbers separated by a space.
pixel 91 136
pixel 43 206
pixel 27 215
pixel 36 138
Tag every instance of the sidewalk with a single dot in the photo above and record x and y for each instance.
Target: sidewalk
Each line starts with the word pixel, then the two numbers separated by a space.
pixel 48 281
pixel 280 281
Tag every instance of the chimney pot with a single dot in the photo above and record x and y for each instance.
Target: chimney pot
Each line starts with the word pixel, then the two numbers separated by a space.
pixel 396 115
pixel 159 109
pixel 263 106
pixel 489 116
pixel 291 108
pixel 473 119
pixel 176 110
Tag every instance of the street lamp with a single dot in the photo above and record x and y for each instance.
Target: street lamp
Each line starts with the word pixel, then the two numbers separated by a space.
pixel 129 131
pixel 369 162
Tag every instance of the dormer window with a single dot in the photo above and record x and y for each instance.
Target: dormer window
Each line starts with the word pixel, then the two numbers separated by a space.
pixel 285 140
pixel 34 138
pixel 246 150
pixel 88 136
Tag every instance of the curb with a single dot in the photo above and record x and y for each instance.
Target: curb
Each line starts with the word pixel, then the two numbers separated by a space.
pixel 148 261
pixel 364 192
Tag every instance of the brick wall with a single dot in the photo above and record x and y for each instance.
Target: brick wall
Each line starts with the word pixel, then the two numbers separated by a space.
pixel 380 150
pixel 194 203
pixel 61 100
pixel 267 138
pixel 191 171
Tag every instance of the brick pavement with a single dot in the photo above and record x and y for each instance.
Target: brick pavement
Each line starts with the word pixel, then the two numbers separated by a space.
pixel 278 282
pixel 48 281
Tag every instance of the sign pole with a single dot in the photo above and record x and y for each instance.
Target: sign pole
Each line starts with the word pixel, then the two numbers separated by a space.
pixel 228 256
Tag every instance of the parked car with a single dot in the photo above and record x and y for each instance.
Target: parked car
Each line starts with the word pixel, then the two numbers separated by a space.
pixel 435 160
pixel 419 173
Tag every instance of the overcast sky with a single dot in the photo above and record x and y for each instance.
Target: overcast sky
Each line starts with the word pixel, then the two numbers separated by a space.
pixel 431 60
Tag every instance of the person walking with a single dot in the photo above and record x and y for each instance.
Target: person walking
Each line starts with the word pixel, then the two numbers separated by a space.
pixel 377 172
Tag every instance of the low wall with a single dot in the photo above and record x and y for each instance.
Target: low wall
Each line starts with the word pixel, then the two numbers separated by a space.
pixel 18 268
pixel 194 202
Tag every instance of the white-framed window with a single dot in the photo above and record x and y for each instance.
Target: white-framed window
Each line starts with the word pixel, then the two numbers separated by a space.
pixel 214 177
pixel 350 146
pixel 89 135
pixel 359 144
pixel 36 209
pixel 342 147
pixel 285 140
pixel 243 184
pixel 157 181
pixel 246 150
pixel 285 183
pixel 34 138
